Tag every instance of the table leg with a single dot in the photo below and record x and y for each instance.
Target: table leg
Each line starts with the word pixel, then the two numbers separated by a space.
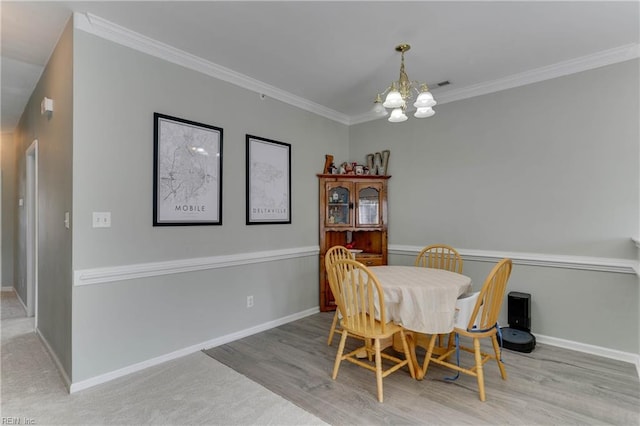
pixel 413 358
pixel 411 342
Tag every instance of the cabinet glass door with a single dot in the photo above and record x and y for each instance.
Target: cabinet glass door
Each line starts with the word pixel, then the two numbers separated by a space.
pixel 368 206
pixel 338 206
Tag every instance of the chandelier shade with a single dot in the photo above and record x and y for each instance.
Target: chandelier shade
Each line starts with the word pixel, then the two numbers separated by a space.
pixel 400 92
pixel 378 109
pixel 424 100
pixel 424 112
pixel 393 99
pixel 397 116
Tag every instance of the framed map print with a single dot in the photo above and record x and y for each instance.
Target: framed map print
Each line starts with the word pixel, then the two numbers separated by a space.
pixel 268 181
pixel 187 172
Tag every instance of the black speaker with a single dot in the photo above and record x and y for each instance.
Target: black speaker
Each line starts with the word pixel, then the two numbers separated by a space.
pixel 519 310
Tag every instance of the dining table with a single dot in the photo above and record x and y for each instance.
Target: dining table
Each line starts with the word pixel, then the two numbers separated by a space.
pixel 422 300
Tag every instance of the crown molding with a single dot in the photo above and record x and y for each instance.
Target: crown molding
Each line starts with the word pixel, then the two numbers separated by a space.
pixel 560 69
pixel 585 263
pixel 100 27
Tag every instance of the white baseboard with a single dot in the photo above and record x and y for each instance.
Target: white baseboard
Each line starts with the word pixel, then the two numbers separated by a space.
pixel 24 305
pixel 591 349
pixel 103 378
pixel 7 288
pixel 55 359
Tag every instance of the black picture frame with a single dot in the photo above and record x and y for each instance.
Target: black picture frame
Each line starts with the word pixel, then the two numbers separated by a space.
pixel 268 181
pixel 187 172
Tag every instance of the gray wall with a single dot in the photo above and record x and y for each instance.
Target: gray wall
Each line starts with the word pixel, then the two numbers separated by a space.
pixel 571 306
pixel 117 91
pixel 116 324
pixel 9 208
pixel 54 135
pixel 548 168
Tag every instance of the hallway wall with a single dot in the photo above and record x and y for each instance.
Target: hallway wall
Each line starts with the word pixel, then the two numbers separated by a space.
pixel 9 208
pixel 54 135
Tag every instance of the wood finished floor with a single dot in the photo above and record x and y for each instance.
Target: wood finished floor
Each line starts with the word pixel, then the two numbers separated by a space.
pixel 550 386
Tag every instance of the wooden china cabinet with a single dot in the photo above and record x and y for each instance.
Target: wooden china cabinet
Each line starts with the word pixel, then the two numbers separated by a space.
pixel 353 210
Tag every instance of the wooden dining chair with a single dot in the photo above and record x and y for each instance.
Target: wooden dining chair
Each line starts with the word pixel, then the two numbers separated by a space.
pixel 333 254
pixel 482 323
pixel 360 299
pixel 440 256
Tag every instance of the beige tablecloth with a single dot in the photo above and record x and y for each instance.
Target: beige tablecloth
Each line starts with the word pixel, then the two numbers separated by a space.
pixel 421 299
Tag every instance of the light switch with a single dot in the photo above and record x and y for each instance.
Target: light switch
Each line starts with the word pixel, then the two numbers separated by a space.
pixel 66 220
pixel 102 219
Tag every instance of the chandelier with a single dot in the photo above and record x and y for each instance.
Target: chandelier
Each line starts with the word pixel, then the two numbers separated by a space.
pixel 400 92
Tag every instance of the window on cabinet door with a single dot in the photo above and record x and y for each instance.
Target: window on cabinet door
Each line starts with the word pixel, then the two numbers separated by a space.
pixel 369 207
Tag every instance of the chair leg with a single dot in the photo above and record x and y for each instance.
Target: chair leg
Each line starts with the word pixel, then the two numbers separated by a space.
pixel 479 372
pixel 496 348
pixel 378 369
pixel 336 365
pixel 334 323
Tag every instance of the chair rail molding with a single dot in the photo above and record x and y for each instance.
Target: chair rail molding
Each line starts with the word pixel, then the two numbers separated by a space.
pixel 586 263
pixel 152 269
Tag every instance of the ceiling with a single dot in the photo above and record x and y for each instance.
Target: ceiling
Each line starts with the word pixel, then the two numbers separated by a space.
pixel 336 56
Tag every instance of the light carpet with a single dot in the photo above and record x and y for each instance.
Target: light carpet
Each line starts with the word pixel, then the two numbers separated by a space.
pixel 194 389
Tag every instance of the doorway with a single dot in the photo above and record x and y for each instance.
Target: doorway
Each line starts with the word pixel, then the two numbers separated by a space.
pixel 32 230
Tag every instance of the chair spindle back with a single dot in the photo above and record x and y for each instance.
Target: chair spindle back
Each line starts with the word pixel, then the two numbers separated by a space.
pixel 440 256
pixel 487 309
pixel 359 297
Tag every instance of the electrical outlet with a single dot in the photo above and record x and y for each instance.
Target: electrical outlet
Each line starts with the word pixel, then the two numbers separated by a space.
pixel 249 301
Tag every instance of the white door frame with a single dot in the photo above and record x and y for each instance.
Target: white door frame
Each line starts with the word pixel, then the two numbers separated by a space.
pixel 1 280
pixel 32 230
